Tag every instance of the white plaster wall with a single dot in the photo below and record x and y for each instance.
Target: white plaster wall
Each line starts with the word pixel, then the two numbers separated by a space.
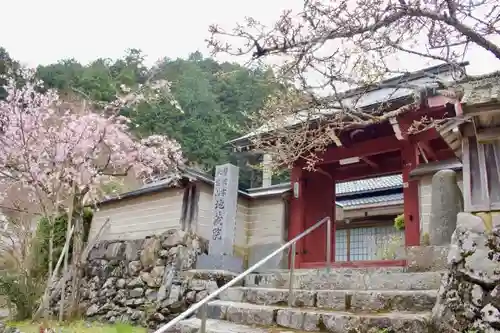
pixel 139 217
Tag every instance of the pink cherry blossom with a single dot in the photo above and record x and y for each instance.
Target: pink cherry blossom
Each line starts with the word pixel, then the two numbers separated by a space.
pixel 51 146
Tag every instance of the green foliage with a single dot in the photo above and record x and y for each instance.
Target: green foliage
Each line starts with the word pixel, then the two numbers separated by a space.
pixel 399 222
pixel 22 290
pixel 7 64
pixel 21 281
pixel 425 239
pixel 60 227
pixel 216 99
pixel 384 330
pixel 76 326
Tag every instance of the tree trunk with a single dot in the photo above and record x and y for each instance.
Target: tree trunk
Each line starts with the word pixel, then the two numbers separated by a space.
pixel 66 258
pixel 51 244
pixel 78 243
pixel 46 295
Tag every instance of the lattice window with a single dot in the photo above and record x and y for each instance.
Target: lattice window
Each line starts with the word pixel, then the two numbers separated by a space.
pixel 341 245
pixel 364 243
pixel 481 175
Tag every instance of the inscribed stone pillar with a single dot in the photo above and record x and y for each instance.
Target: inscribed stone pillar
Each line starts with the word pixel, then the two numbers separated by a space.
pixel 225 201
pixel 446 203
pixel 222 237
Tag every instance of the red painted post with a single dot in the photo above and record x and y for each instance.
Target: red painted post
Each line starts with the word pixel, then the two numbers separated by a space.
pixel 334 213
pixel 297 209
pixel 410 191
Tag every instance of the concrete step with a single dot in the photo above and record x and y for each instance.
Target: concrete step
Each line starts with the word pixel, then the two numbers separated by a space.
pixel 337 300
pixel 315 320
pixel 348 280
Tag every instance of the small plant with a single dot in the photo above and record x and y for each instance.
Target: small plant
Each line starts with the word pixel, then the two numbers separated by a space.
pixel 426 239
pixel 385 330
pixel 388 248
pixel 399 222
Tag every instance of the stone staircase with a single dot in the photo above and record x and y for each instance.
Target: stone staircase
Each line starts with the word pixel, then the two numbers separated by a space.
pixel 339 301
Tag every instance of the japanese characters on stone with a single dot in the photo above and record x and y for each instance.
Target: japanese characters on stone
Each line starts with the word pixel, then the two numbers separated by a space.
pixel 220 191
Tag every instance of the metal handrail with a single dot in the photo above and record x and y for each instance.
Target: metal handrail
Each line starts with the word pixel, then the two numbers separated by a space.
pixel 292 243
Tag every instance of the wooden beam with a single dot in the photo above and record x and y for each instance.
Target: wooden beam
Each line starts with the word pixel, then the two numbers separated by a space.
pixel 365 171
pixel 397 129
pixel 487 135
pixel 427 150
pixel 362 149
pixel 369 162
pixel 424 136
pixel 336 139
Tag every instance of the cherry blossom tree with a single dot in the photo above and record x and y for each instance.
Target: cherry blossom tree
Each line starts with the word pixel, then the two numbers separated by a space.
pixel 328 46
pixel 62 155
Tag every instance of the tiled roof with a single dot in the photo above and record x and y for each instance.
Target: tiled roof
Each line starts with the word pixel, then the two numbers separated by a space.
pixel 386 198
pixel 363 97
pixel 483 90
pixel 369 185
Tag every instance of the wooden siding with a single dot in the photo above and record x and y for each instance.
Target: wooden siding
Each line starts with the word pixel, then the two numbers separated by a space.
pixel 136 218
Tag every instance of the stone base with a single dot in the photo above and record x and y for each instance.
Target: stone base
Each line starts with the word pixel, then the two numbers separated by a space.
pixel 260 251
pixel 220 262
pixel 427 258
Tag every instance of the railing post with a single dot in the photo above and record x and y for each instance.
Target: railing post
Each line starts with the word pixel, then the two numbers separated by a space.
pixel 328 244
pixel 203 326
pixel 292 271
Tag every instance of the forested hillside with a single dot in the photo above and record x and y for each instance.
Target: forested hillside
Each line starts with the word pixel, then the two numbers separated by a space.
pixel 214 99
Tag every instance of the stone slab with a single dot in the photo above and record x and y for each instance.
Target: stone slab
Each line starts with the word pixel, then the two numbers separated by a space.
pixel 376 300
pixel 337 300
pixel 427 258
pixel 269 296
pixel 316 320
pixel 209 274
pixel 348 280
pixel 214 326
pixel 220 262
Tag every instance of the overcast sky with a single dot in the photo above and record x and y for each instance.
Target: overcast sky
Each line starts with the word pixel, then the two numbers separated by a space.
pixel 44 31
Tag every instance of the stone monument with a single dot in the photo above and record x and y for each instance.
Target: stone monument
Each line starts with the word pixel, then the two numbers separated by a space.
pixel 225 201
pixel 447 202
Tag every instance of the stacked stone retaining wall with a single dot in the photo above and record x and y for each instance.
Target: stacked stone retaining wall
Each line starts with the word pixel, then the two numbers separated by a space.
pixel 144 282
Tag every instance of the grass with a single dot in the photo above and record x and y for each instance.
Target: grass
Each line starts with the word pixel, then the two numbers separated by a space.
pixel 78 327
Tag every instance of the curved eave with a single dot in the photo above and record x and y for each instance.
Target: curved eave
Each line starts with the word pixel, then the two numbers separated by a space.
pixel 244 143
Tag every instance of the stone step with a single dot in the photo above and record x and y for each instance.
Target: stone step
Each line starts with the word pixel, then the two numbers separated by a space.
pixel 214 326
pixel 220 326
pixel 315 320
pixel 337 300
pixel 348 280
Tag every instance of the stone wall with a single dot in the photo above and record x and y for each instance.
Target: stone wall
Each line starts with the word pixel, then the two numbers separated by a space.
pixel 146 282
pixel 469 297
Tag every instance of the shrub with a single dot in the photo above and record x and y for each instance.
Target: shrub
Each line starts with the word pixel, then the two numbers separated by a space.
pixel 60 227
pixel 399 222
pixel 21 281
pixel 22 290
